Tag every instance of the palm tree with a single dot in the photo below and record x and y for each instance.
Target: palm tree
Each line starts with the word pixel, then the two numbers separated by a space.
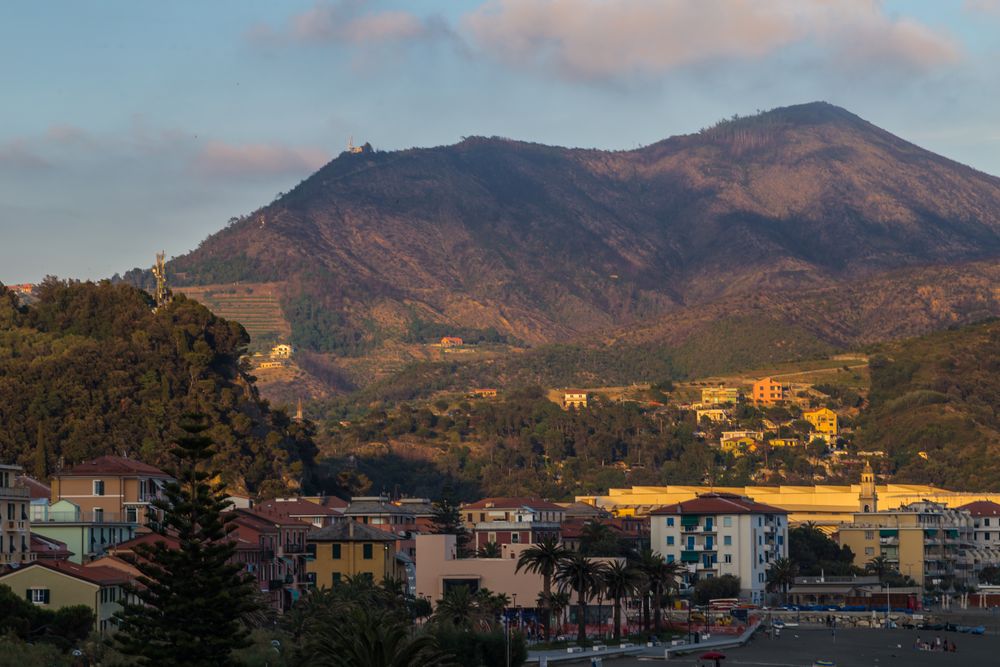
pixel 781 576
pixel 879 565
pixel 543 558
pixel 458 607
pixel 490 550
pixel 584 576
pixel 620 581
pixel 647 564
pixel 598 539
pixel 557 602
pixel 372 638
pixel 664 581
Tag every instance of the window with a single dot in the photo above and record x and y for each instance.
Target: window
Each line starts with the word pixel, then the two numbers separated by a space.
pixel 131 514
pixel 515 538
pixel 366 551
pixel 670 521
pixel 727 522
pixel 727 540
pixel 781 539
pixel 336 552
pixel 670 558
pixel 986 522
pixel 670 540
pixel 869 534
pixel 99 518
pixel 760 577
pixel 10 511
pixel 336 577
pixel 728 558
pixel 38 595
pixel 869 551
pixel 98 487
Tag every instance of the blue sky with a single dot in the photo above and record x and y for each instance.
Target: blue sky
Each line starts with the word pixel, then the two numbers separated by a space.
pixel 131 127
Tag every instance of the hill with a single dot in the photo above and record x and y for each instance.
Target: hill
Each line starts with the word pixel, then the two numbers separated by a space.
pixel 938 394
pixel 548 244
pixel 91 369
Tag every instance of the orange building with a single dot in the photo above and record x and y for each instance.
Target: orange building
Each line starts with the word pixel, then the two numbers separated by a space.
pixel 111 488
pixel 769 391
pixel 451 341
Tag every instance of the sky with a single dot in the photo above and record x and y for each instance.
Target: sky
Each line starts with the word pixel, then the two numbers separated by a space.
pixel 132 127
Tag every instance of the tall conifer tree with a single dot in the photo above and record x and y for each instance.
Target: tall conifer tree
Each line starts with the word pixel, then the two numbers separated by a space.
pixel 189 600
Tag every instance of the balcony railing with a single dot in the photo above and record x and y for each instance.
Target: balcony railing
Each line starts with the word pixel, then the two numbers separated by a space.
pixel 292 548
pixel 82 517
pixel 14 492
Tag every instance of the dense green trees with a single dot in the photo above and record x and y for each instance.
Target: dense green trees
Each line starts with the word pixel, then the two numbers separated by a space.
pixel 726 586
pixel 188 601
pixel 64 628
pixel 91 369
pixel 813 552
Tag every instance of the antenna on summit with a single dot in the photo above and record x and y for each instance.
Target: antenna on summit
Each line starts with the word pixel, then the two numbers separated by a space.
pixel 351 148
pixel 163 294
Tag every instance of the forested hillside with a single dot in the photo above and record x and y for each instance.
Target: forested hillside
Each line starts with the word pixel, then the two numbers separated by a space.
pixel 91 369
pixel 939 394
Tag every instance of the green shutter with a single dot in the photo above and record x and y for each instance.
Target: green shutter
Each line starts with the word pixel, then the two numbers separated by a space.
pixel 689 520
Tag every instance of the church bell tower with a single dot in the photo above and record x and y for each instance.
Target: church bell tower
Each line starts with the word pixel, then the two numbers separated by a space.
pixel 868 498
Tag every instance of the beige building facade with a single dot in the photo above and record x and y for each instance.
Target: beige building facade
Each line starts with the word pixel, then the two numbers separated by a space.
pixel 111 488
pixel 15 523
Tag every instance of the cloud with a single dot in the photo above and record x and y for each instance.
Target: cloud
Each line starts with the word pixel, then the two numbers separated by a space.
pixel 605 40
pixel 219 158
pixel 17 154
pixel 350 22
pixel 982 6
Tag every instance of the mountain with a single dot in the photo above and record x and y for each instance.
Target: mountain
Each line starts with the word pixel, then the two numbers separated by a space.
pixel 771 214
pixel 91 369
pixel 933 407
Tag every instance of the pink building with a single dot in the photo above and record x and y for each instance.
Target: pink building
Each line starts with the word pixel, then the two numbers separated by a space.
pixel 512 520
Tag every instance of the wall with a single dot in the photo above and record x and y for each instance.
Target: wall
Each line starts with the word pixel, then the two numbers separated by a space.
pixel 64 590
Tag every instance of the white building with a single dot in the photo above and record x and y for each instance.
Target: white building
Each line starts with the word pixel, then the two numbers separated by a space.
pixel 15 524
pixel 985 523
pixel 721 533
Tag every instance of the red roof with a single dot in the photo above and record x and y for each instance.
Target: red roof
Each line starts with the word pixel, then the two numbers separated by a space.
pixel 297 507
pixel 35 488
pixel 270 518
pixel 573 529
pixel 146 538
pixel 719 503
pixel 112 465
pixel 46 547
pixel 98 574
pixel 511 503
pixel 982 508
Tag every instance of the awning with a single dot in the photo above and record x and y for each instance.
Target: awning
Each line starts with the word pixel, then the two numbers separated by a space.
pixel 888 532
pixel 689 556
pixel 689 520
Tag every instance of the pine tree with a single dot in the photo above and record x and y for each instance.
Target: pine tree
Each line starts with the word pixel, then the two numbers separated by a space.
pixel 41 467
pixel 446 519
pixel 189 600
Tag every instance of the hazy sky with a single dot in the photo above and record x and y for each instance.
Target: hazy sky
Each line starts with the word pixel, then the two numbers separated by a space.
pixel 129 127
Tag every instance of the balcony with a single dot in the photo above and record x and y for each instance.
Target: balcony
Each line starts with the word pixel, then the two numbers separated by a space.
pixel 292 548
pixel 83 517
pixel 275 584
pixel 14 492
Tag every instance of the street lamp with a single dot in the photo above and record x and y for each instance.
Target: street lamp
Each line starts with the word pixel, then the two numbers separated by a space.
pixel 887 604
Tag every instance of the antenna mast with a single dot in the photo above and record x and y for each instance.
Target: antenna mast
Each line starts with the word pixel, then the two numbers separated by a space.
pixel 160 273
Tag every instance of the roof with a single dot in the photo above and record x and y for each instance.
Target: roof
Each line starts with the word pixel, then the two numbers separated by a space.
pixel 269 518
pixel 112 465
pixel 981 508
pixel 350 531
pixel 99 575
pixel 146 538
pixel 35 488
pixel 573 529
pixel 46 547
pixel 372 506
pixel 719 503
pixel 514 502
pixel 296 507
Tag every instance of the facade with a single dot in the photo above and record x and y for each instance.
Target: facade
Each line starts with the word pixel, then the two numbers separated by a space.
pixel 440 571
pixel 719 395
pixel 719 533
pixel 784 442
pixel 55 584
pixel 711 414
pixel 768 391
pixel 574 399
pixel 485 393
pixel 985 523
pixel 351 549
pixel 631 532
pixel 115 487
pixel 15 521
pixel 281 351
pixel 924 540
pixel 299 508
pixel 87 535
pixel 824 421
pixel 511 520
pixel 274 549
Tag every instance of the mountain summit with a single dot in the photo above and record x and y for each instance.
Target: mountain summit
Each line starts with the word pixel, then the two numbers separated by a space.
pixel 545 243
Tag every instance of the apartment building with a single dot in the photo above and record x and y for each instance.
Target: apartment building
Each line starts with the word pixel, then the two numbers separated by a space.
pixel 768 391
pixel 985 523
pixel 720 533
pixel 114 488
pixel 512 520
pixel 927 541
pixel 719 395
pixel 15 524
pixel 351 549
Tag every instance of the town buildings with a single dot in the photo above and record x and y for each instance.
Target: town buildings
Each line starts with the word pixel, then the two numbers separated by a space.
pixel 511 520
pixel 926 541
pixel 114 488
pixel 316 513
pixel 717 534
pixel 711 414
pixel 15 527
pixel 87 534
pixel 275 553
pixel 55 584
pixel 768 391
pixel 352 549
pixel 985 523
pixel 719 395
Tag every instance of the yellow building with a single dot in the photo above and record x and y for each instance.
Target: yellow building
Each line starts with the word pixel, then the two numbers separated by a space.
pixel 719 395
pixel 824 421
pixel 349 549
pixel 784 442
pixel 55 584
pixel 281 351
pixel 925 541
pixel 574 399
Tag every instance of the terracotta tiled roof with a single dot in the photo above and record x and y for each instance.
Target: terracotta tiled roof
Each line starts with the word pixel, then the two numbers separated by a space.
pixel 982 508
pixel 112 465
pixel 573 529
pixel 147 538
pixel 270 518
pixel 514 502
pixel 103 576
pixel 35 488
pixel 719 503
pixel 296 507
pixel 350 531
pixel 46 547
